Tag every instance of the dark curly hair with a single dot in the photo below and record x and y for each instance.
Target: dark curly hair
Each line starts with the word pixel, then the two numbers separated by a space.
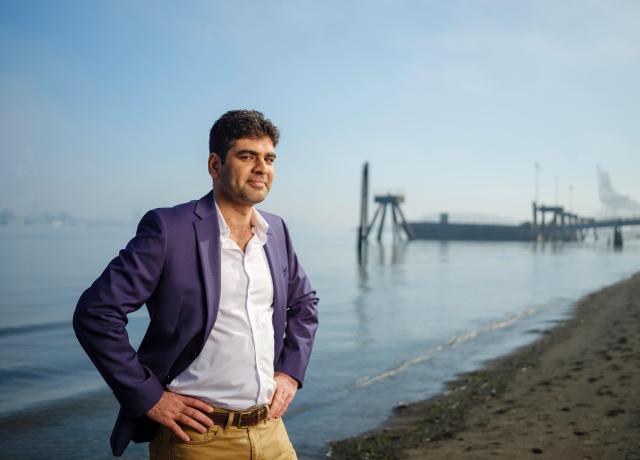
pixel 239 124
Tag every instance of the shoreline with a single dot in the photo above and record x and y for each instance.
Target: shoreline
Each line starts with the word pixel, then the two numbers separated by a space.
pixel 574 393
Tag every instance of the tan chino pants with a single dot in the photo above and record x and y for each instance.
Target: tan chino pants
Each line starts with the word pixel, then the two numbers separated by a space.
pixel 267 440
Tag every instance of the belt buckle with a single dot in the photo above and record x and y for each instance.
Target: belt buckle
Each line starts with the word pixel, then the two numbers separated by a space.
pixel 240 415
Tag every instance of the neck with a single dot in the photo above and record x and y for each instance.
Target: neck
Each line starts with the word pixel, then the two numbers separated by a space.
pixel 236 215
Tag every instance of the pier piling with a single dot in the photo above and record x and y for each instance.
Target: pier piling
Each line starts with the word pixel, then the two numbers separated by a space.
pixel 400 227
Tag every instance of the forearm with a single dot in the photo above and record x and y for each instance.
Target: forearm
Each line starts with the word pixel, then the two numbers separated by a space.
pixel 302 323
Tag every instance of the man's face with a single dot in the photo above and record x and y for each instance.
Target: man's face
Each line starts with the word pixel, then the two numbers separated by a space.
pixel 247 174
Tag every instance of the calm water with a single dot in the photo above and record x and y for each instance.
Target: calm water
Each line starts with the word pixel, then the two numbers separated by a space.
pixel 418 315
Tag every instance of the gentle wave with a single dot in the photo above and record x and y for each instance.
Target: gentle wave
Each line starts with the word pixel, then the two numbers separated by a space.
pixel 28 328
pixel 455 340
pixel 33 373
pixel 396 370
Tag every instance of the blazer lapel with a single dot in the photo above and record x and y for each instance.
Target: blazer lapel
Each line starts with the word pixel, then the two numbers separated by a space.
pixel 277 277
pixel 208 237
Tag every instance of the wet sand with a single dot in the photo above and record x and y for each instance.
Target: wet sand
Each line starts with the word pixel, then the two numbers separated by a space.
pixel 573 394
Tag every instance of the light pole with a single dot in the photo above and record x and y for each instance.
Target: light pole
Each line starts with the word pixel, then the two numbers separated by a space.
pixel 571 197
pixel 536 165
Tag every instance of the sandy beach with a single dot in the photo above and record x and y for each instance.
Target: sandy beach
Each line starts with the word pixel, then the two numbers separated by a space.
pixel 573 394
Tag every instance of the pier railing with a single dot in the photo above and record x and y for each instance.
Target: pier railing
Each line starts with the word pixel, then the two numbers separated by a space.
pixel 554 223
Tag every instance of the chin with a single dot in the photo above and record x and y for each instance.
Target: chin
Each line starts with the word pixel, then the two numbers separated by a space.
pixel 255 199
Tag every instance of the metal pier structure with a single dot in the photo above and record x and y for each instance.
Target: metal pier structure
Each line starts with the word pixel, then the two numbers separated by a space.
pixel 559 226
pixel 567 226
pixel 400 227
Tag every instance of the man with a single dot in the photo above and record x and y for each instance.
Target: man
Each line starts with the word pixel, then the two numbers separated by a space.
pixel 232 314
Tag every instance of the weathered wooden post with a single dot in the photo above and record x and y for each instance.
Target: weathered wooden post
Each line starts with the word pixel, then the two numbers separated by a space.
pixel 364 207
pixel 617 237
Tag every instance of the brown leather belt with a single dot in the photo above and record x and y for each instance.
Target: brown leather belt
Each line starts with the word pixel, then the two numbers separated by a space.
pixel 239 419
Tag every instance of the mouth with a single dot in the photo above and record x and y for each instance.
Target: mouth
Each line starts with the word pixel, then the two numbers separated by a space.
pixel 259 184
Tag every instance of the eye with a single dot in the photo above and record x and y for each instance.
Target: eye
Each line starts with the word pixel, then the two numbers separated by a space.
pixel 270 160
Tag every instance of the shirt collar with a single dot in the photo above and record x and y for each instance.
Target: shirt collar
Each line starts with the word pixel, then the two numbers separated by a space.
pixel 258 223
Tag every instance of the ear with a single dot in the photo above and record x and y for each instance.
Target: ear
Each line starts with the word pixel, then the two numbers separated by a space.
pixel 214 164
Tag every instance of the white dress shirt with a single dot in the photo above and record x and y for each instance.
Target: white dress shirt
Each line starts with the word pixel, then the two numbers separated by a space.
pixel 234 370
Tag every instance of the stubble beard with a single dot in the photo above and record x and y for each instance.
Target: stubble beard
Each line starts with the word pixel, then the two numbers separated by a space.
pixel 241 195
pixel 246 198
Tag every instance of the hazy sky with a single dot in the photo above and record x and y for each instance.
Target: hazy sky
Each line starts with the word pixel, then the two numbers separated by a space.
pixel 106 106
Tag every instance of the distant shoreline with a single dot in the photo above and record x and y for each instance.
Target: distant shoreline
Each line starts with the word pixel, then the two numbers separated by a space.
pixel 572 394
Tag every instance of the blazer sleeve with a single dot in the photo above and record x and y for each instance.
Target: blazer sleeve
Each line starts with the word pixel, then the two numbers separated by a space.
pixel 302 318
pixel 100 316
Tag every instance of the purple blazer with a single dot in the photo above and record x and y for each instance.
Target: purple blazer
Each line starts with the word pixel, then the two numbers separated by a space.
pixel 173 265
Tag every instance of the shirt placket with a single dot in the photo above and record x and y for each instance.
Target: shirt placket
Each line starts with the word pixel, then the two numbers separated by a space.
pixel 247 259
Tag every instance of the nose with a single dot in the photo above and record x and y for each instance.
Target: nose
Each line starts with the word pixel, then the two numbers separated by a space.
pixel 260 165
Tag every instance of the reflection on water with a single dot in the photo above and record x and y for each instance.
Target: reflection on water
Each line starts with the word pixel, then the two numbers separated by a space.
pixel 396 249
pixel 360 304
pixel 443 251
